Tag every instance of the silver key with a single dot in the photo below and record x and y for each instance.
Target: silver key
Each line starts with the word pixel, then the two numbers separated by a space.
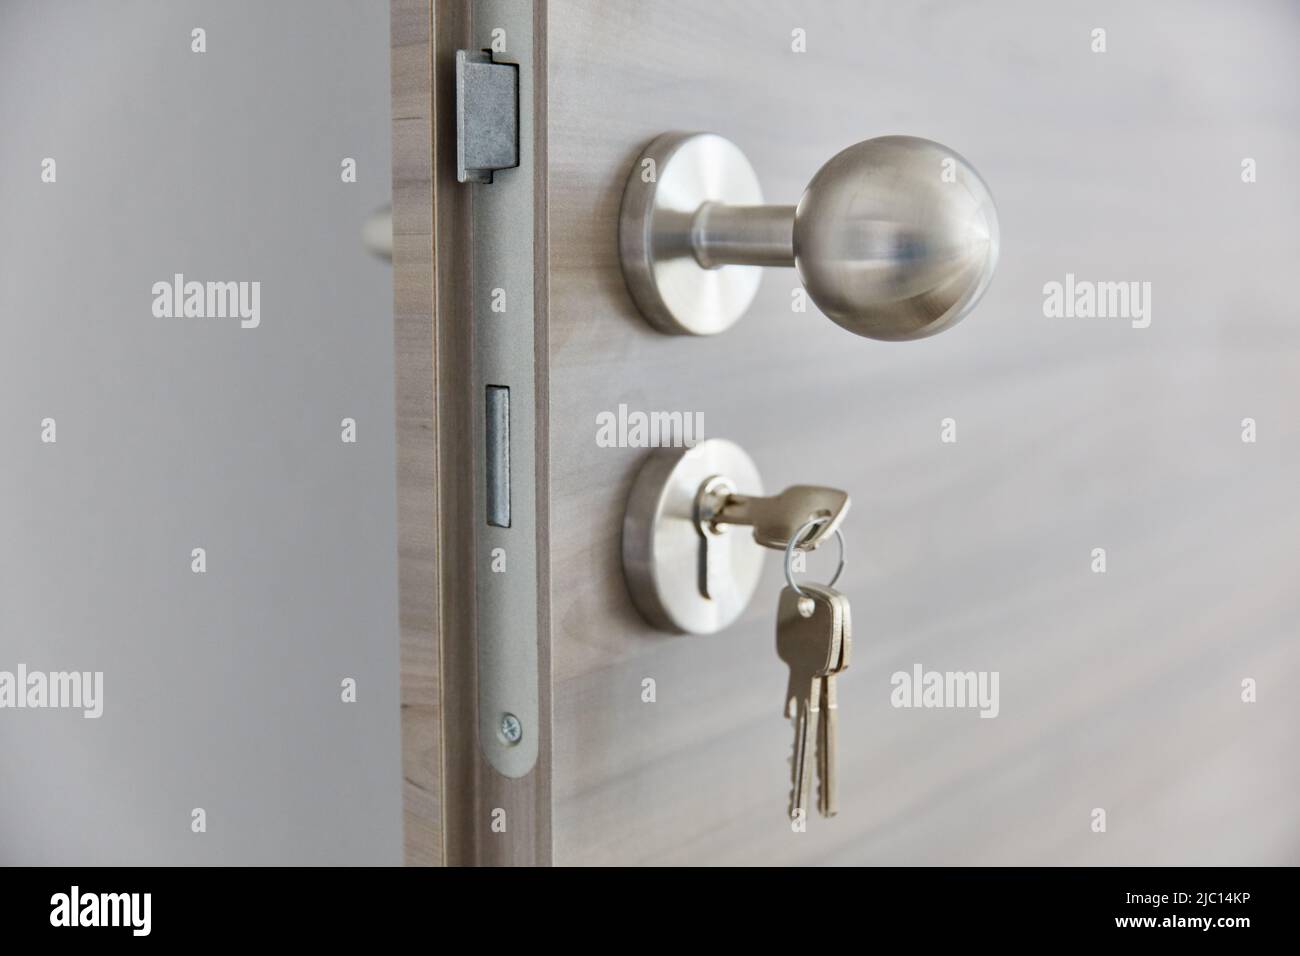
pixel 826 738
pixel 776 519
pixel 808 640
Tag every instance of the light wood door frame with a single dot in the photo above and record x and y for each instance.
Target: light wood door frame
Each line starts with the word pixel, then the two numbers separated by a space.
pixel 450 793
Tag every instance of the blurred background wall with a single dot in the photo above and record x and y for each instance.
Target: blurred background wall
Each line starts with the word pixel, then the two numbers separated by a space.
pixel 222 689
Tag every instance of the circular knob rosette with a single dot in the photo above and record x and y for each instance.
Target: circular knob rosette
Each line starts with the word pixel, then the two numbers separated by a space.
pixel 675 177
pixel 895 238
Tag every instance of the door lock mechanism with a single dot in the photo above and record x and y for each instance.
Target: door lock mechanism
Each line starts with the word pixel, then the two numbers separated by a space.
pixel 688 567
pixel 487 116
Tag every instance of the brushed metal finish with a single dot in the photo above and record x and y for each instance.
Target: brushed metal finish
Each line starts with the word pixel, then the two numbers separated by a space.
pixel 662 543
pixel 487 116
pixel 754 235
pixel 676 176
pixel 504 253
pixel 895 238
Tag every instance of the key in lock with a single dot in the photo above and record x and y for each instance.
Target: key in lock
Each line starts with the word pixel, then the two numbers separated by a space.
pixel 813 511
pixel 689 568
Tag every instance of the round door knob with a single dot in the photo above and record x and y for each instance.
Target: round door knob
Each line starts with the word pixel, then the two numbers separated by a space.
pixel 895 238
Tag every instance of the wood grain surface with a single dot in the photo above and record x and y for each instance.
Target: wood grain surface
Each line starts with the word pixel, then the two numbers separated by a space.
pixel 450 792
pixel 417 459
pixel 1119 690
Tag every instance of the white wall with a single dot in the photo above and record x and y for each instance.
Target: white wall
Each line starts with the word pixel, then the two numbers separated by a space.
pixel 221 690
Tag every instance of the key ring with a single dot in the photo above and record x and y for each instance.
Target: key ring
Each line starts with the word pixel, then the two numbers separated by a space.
pixel 789 554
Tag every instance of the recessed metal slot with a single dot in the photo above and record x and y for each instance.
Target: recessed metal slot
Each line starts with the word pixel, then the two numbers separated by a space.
pixel 497 417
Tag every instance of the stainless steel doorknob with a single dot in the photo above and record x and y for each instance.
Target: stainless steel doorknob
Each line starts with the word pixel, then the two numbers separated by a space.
pixel 895 238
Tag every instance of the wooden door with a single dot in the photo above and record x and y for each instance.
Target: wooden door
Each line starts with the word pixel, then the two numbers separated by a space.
pixel 1120 689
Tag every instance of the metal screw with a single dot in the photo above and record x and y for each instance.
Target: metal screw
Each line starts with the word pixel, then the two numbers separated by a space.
pixel 511 729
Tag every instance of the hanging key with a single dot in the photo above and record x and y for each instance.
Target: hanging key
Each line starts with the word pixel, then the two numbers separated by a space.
pixel 808 629
pixel 829 710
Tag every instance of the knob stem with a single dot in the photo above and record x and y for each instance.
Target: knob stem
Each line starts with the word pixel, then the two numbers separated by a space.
pixel 724 235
